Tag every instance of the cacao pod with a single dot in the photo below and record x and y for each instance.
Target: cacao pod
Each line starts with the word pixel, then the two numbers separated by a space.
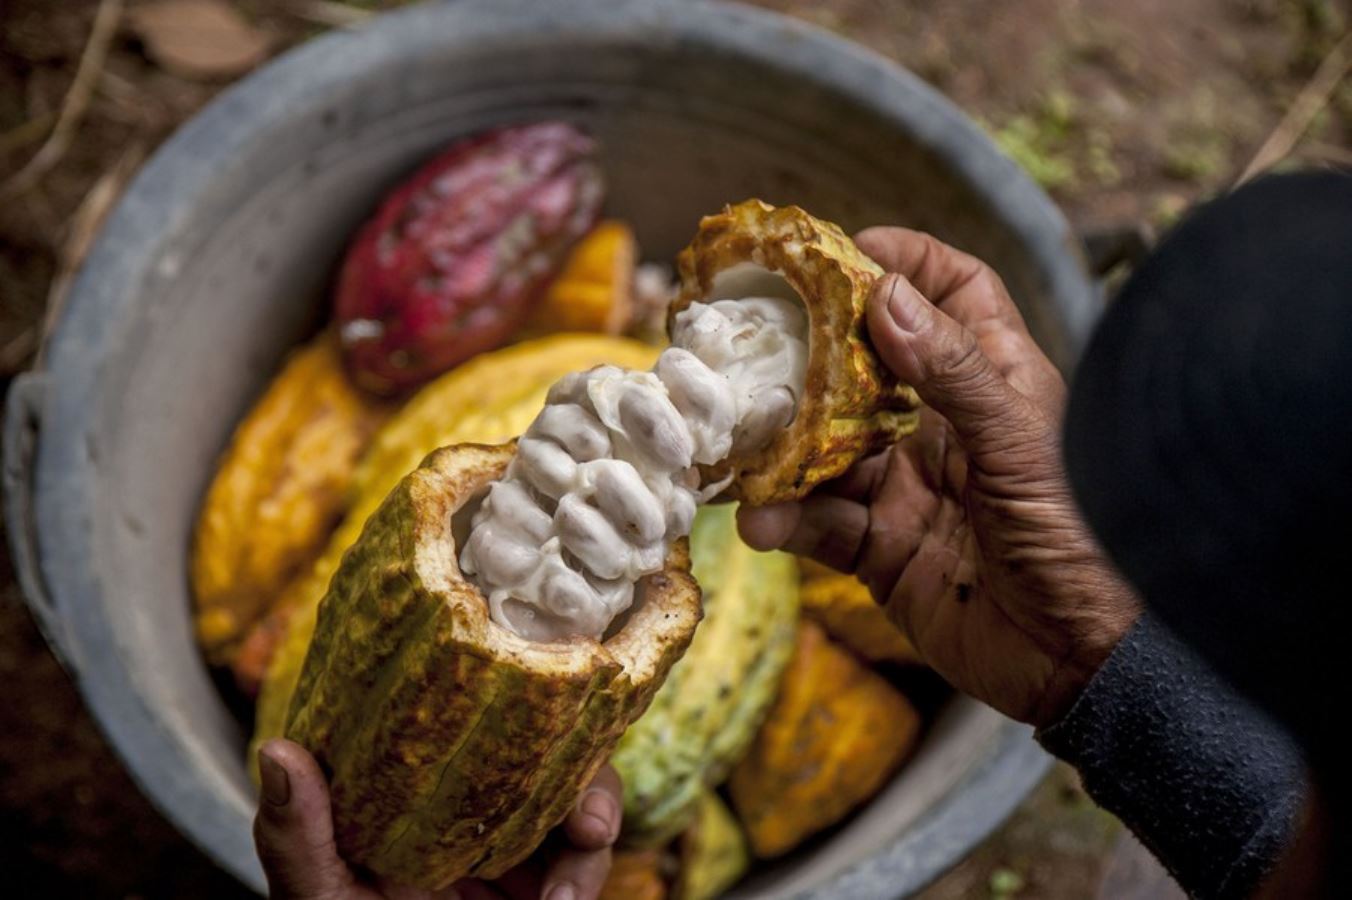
pixel 254 655
pixel 845 607
pixel 835 734
pixel 810 569
pixel 852 405
pixel 713 852
pixel 636 875
pixel 277 493
pixel 706 714
pixel 456 258
pixel 492 398
pixel 594 291
pixel 453 745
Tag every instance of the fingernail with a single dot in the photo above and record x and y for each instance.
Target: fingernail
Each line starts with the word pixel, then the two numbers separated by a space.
pixel 906 307
pixel 601 806
pixel 562 891
pixel 276 783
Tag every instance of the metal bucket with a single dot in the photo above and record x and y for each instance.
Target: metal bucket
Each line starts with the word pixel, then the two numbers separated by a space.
pixel 218 258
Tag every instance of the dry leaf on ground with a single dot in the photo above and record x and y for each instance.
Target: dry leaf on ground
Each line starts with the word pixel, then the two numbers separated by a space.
pixel 199 38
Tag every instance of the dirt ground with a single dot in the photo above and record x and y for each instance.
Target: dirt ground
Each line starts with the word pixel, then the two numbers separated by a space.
pixel 1128 112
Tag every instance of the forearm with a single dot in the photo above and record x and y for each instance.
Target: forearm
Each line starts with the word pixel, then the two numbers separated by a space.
pixel 1205 780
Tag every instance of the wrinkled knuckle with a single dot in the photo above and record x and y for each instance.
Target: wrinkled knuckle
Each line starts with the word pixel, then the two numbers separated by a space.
pixel 959 363
pixel 989 281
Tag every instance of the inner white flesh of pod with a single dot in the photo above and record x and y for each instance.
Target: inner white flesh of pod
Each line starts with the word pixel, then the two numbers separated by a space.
pixel 607 476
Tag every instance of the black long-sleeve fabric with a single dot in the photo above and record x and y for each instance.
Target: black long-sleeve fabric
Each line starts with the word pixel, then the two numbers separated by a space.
pixel 1205 779
pixel 1208 442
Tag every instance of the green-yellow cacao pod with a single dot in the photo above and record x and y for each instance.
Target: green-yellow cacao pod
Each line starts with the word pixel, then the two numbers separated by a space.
pixel 713 851
pixel 705 716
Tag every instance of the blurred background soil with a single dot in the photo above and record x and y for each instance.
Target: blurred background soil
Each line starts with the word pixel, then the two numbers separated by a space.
pixel 1127 112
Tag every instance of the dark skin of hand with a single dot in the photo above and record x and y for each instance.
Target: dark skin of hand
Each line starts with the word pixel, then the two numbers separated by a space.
pixel 294 835
pixel 965 531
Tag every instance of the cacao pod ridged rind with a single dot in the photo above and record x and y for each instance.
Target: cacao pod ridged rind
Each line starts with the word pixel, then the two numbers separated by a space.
pixel 278 491
pixel 452 744
pixel 843 605
pixel 491 399
pixel 458 255
pixel 636 875
pixel 707 713
pixel 594 290
pixel 852 405
pixel 836 733
pixel 714 853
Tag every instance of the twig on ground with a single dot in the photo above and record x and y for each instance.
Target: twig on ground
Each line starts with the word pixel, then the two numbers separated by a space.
pixel 22 135
pixel 329 13
pixel 1330 153
pixel 120 100
pixel 75 103
pixel 1311 99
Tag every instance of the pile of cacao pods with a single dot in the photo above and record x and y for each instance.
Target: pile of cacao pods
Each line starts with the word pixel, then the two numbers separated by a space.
pixel 478 282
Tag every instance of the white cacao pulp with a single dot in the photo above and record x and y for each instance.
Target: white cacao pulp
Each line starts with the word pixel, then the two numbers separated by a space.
pixel 605 478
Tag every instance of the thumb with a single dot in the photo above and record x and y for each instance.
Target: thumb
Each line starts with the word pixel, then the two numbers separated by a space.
pixel 293 830
pixel 935 354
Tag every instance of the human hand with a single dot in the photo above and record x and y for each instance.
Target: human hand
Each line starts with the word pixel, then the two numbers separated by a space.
pixel 294 835
pixel 965 531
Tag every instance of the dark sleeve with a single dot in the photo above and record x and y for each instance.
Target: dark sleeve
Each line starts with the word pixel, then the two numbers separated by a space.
pixel 1204 779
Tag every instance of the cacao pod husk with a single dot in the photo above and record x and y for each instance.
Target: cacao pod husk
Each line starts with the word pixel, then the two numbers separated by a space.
pixel 713 852
pixel 457 257
pixel 835 734
pixel 453 745
pixel 852 405
pixel 706 714
pixel 277 494
pixel 844 606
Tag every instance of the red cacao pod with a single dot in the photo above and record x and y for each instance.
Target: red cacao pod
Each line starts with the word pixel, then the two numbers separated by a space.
pixel 457 256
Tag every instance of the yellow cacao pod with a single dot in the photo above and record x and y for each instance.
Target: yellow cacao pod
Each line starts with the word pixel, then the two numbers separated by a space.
pixel 594 290
pixel 843 605
pixel 636 875
pixel 277 493
pixel 835 734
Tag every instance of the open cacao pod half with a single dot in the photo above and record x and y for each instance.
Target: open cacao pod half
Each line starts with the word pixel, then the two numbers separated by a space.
pixel 851 405
pixel 453 745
